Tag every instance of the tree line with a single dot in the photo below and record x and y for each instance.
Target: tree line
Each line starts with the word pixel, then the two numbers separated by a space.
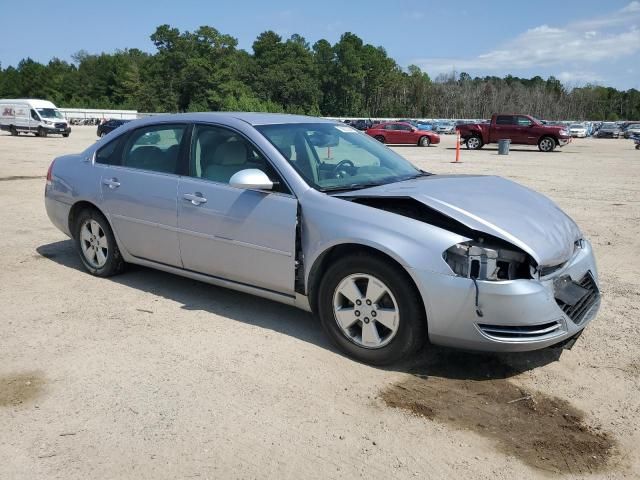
pixel 204 70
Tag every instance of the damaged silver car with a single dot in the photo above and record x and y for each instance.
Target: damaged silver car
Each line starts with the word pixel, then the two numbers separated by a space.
pixel 318 215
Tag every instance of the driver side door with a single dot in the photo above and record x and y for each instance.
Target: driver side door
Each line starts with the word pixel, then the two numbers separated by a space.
pixel 246 236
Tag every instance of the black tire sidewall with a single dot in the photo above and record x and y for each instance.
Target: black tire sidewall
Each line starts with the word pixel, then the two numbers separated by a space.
pixel 412 331
pixel 114 261
pixel 380 138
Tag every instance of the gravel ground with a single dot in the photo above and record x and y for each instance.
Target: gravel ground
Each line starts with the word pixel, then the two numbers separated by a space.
pixel 148 375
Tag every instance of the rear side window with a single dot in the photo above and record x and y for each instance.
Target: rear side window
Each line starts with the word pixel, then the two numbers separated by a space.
pixel 504 120
pixel 155 148
pixel 109 154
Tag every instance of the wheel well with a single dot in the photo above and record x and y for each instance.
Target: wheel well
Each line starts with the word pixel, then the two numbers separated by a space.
pixel 76 209
pixel 548 135
pixel 332 254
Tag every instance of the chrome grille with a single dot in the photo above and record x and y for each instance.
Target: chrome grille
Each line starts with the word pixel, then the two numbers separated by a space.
pixel 521 332
pixel 578 312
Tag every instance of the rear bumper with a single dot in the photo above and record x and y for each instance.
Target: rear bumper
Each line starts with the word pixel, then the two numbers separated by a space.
pixel 518 315
pixel 58 212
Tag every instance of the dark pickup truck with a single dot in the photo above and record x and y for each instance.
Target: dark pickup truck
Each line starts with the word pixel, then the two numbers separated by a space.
pixel 520 129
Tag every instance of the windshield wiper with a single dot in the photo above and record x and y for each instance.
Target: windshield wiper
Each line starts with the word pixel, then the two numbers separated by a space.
pixel 353 186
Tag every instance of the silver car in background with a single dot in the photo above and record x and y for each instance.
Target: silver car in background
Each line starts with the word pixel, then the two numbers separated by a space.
pixel 318 215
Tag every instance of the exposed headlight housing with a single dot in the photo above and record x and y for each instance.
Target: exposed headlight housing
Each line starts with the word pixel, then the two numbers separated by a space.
pixel 564 133
pixel 486 262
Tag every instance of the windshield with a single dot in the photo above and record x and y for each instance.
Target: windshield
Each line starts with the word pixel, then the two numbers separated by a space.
pixel 576 125
pixel 609 125
pixel 337 157
pixel 50 113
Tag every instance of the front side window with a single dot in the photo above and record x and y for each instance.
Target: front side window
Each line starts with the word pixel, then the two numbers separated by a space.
pixel 34 115
pixel 154 148
pixel 334 157
pixel 218 153
pixel 523 122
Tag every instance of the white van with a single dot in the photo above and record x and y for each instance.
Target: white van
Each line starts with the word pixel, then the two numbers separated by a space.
pixel 25 115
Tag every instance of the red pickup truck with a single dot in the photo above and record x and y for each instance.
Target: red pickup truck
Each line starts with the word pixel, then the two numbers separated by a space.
pixel 520 129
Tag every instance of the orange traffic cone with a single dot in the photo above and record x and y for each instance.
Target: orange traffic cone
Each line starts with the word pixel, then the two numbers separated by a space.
pixel 457 147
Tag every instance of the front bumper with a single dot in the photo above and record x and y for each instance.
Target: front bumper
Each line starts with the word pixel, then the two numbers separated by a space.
pixel 55 129
pixel 562 141
pixel 509 308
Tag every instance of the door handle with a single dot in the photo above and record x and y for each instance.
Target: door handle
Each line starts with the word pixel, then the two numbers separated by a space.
pixel 194 198
pixel 112 183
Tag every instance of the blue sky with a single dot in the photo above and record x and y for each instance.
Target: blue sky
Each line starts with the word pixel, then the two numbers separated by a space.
pixel 577 41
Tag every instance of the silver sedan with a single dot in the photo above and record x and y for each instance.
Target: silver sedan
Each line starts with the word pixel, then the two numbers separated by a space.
pixel 316 214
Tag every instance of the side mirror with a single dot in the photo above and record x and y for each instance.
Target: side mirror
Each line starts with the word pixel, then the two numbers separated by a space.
pixel 251 179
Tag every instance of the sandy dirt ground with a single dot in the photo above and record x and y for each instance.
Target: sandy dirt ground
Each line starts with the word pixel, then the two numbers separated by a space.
pixel 149 375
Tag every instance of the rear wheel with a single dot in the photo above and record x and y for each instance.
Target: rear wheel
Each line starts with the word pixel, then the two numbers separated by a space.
pixel 474 142
pixel 546 144
pixel 424 141
pixel 371 311
pixel 96 244
pixel 380 138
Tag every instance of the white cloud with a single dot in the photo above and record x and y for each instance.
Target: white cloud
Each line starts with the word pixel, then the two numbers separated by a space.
pixel 573 46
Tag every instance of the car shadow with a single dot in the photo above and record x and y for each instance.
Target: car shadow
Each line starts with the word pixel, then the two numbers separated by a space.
pixel 511 149
pixel 194 295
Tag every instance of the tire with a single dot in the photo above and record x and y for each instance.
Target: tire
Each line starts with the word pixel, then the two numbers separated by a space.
pixel 547 144
pixel 474 142
pixel 13 130
pixel 380 138
pixel 96 244
pixel 637 147
pixel 102 134
pixel 41 132
pixel 65 135
pixel 424 141
pixel 404 311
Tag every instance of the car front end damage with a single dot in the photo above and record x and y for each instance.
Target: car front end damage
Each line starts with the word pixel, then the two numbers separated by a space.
pixel 523 278
pixel 512 314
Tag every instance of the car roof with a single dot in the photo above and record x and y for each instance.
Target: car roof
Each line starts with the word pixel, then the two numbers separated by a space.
pixel 252 118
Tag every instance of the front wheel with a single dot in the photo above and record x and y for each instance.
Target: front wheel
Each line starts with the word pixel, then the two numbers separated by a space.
pixel 41 132
pixel 96 244
pixel 14 131
pixel 546 144
pixel 380 138
pixel 424 141
pixel 371 310
pixel 638 147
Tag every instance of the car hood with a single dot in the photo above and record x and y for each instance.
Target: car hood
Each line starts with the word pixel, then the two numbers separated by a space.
pixel 495 206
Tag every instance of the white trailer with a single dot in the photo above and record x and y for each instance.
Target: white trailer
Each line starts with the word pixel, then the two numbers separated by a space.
pixel 29 115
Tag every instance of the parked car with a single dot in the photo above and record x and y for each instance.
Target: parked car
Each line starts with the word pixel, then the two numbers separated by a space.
pixel 631 130
pixel 520 129
pixel 29 115
pixel 361 124
pixel 387 256
pixel 109 126
pixel 578 130
pixel 403 133
pixel 609 130
pixel 446 128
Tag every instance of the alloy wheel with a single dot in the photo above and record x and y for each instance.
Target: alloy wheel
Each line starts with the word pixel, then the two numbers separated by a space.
pixel 366 311
pixel 473 143
pixel 94 244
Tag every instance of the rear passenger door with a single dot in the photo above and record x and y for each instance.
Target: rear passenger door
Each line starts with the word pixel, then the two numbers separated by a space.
pixel 503 128
pixel 139 185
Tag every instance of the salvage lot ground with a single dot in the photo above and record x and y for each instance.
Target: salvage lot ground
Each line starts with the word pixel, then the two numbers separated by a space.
pixel 149 375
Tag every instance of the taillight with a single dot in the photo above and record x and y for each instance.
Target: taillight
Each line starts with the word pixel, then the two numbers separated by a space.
pixel 49 174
